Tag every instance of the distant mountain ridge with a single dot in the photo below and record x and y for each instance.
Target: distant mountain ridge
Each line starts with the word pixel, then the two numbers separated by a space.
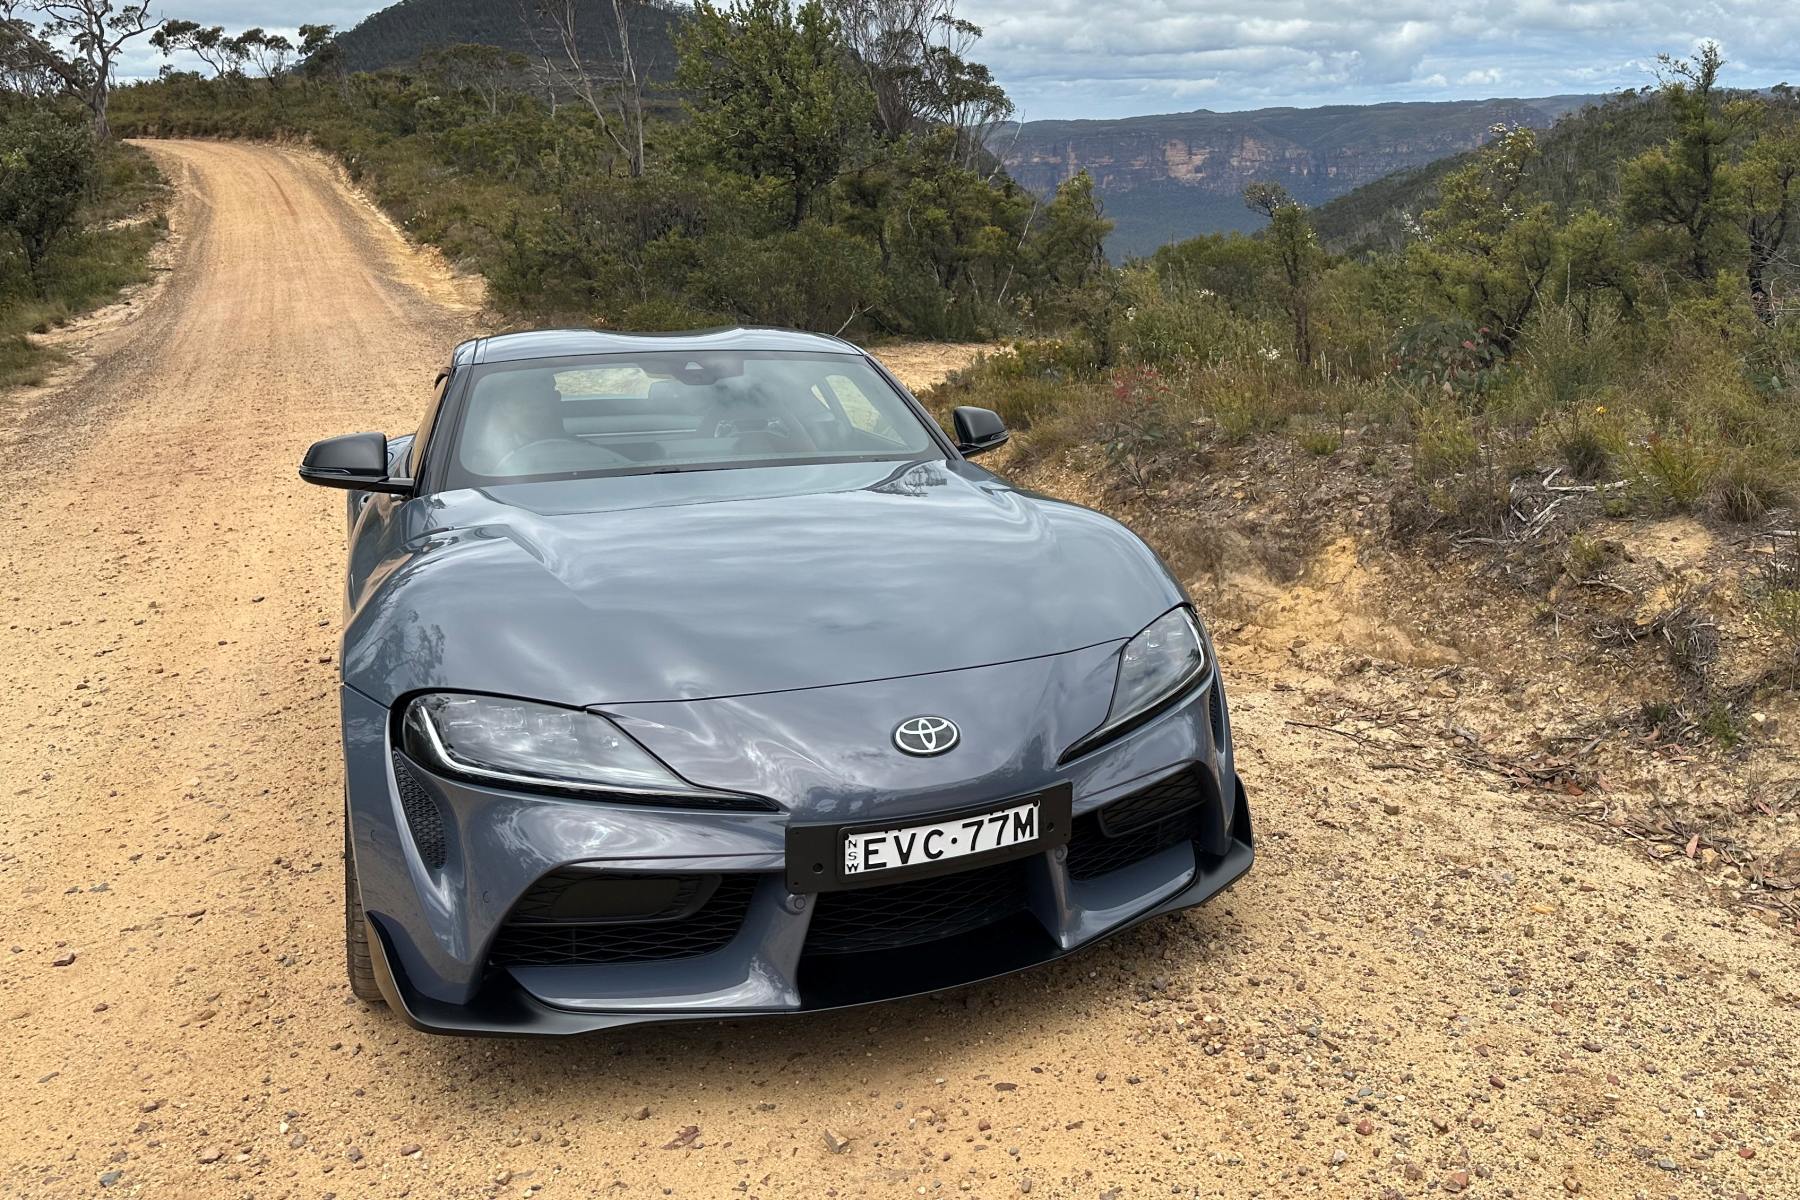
pixel 1169 177
pixel 1162 178
pixel 398 35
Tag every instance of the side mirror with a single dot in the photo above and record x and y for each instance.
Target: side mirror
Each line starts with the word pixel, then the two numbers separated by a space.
pixel 356 461
pixel 978 430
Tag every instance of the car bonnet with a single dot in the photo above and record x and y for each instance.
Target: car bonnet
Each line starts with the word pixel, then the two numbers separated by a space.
pixel 720 583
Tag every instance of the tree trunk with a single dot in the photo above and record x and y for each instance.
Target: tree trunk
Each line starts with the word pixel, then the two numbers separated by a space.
pixel 98 100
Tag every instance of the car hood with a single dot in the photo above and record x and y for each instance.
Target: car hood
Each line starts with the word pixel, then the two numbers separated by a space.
pixel 705 584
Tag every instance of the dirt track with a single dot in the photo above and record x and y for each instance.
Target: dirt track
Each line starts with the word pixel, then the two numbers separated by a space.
pixel 1424 975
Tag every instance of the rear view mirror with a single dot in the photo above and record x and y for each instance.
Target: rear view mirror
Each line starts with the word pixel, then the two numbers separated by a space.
pixel 356 461
pixel 978 430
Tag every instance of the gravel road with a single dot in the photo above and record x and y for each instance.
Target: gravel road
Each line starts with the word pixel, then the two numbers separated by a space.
pixel 1429 985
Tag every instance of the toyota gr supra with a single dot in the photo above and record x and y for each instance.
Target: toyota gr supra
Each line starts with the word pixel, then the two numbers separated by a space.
pixel 702 675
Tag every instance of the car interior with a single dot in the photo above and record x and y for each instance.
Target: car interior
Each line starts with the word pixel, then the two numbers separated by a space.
pixel 607 415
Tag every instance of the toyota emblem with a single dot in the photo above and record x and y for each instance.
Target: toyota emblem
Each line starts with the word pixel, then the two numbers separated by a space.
pixel 926 736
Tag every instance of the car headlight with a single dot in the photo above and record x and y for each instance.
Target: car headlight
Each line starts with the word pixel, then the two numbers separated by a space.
pixel 1156 666
pixel 494 740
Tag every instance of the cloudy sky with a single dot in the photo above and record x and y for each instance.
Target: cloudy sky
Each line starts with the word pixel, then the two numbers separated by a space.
pixel 1100 58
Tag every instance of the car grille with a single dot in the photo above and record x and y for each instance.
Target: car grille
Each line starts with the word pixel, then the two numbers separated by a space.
pixel 1138 826
pixel 918 911
pixel 423 816
pixel 532 938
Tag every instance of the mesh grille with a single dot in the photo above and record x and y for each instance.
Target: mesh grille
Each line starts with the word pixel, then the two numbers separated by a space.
pixel 560 943
pixel 918 911
pixel 423 816
pixel 1215 708
pixel 541 903
pixel 1135 827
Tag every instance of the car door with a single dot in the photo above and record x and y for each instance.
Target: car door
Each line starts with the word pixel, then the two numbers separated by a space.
pixel 375 516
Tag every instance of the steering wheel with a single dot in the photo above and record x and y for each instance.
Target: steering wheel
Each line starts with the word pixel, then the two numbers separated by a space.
pixel 719 424
pixel 729 425
pixel 500 467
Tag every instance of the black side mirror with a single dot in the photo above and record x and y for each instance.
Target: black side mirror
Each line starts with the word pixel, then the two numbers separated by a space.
pixel 357 461
pixel 978 430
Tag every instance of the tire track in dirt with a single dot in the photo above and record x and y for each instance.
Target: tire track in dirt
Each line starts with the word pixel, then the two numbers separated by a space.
pixel 1459 985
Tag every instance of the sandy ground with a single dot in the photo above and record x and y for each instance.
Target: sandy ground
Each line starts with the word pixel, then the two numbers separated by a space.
pixel 1428 985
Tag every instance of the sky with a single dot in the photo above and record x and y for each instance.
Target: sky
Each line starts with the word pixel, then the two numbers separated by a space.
pixel 1112 58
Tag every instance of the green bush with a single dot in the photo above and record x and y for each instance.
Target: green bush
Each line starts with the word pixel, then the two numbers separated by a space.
pixel 1585 556
pixel 1166 326
pixel 1022 403
pixel 1320 437
pixel 1141 433
pixel 1570 355
pixel 1446 444
pixel 77 222
pixel 1751 481
pixel 47 158
pixel 1675 470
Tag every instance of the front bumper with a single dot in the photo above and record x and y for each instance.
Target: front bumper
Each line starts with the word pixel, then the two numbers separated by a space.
pixel 438 899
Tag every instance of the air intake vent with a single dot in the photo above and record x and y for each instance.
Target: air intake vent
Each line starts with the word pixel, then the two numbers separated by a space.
pixel 571 918
pixel 1139 826
pixel 423 816
pixel 1215 708
pixel 916 912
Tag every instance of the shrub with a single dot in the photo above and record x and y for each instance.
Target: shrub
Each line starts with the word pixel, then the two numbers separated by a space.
pixel 1570 355
pixel 1022 403
pixel 1141 431
pixel 1722 725
pixel 1450 355
pixel 46 161
pixel 1446 444
pixel 816 277
pixel 1586 556
pixel 1321 438
pixel 1586 439
pixel 1779 603
pixel 1043 359
pixel 1168 325
pixel 1675 470
pixel 85 264
pixel 1751 481
pixel 1584 452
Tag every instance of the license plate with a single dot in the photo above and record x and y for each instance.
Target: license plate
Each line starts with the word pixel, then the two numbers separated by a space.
pixel 828 856
pixel 915 845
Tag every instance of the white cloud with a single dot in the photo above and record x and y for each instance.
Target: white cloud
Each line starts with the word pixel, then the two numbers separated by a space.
pixel 1100 58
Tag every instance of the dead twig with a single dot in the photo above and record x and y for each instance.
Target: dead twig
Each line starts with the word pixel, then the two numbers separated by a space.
pixel 1344 733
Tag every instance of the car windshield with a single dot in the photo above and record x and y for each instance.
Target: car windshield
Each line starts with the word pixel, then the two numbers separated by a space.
pixel 621 414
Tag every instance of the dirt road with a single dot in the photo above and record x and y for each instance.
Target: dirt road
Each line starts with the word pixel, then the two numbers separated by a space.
pixel 1427 986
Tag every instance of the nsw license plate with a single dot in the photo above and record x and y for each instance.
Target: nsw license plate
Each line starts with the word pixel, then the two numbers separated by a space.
pixel 830 856
pixel 876 850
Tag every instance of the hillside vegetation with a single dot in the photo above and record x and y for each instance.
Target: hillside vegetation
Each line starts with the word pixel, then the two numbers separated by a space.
pixel 1535 341
pixel 824 170
pixel 78 217
pixel 1578 163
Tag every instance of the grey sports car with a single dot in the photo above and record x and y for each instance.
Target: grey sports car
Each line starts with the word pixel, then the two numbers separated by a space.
pixel 701 675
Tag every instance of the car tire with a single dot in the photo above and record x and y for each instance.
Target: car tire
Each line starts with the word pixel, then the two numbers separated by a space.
pixel 357 962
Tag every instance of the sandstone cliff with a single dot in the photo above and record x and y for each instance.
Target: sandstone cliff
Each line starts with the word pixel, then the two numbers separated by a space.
pixel 1168 177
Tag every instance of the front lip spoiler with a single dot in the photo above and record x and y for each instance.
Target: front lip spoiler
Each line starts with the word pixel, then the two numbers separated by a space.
pixel 504 1009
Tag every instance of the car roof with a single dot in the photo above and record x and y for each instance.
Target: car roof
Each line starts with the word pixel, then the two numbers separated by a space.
pixel 563 343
